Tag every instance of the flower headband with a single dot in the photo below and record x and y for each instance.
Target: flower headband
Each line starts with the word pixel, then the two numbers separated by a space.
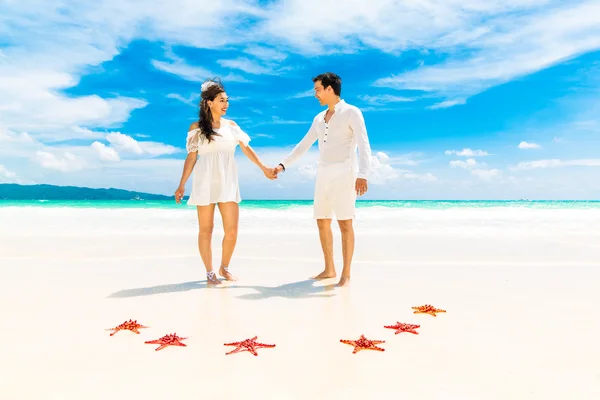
pixel 206 85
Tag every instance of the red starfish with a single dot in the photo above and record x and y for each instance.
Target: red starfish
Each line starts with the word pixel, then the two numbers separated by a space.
pixel 364 344
pixel 130 325
pixel 167 340
pixel 400 327
pixel 427 309
pixel 248 345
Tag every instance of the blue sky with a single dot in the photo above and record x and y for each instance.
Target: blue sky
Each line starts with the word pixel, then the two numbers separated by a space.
pixel 462 100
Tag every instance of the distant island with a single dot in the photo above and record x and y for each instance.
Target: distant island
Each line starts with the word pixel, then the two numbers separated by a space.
pixel 12 191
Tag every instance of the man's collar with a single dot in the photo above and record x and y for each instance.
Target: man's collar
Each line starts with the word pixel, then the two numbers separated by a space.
pixel 336 108
pixel 340 103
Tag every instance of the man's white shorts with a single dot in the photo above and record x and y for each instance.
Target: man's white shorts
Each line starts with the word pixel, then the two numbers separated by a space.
pixel 335 191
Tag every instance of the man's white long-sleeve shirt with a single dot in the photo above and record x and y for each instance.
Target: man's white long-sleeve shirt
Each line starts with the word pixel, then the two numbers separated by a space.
pixel 338 139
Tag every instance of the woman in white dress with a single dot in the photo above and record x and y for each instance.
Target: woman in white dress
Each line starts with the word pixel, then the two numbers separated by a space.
pixel 211 144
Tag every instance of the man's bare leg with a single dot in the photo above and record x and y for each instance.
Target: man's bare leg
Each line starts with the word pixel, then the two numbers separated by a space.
pixel 347 231
pixel 326 236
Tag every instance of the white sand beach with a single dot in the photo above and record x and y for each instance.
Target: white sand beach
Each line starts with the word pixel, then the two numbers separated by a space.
pixel 520 287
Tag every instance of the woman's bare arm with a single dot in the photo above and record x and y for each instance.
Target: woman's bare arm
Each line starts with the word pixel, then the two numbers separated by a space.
pixel 188 167
pixel 252 156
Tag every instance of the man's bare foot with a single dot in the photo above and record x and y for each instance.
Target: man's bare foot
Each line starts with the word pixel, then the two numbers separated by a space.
pixel 325 275
pixel 211 278
pixel 344 281
pixel 224 272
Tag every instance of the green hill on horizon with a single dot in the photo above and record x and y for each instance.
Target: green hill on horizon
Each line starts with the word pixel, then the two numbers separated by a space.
pixel 13 191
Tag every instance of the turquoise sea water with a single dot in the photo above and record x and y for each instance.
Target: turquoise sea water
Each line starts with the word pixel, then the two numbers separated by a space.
pixel 284 204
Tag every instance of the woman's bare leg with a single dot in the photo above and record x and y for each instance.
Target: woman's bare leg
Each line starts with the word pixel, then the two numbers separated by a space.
pixel 230 215
pixel 206 215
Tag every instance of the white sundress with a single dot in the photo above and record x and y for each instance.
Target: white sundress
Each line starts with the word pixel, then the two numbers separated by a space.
pixel 215 175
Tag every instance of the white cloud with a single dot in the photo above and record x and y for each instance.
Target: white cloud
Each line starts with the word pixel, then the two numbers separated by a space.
pixel 13 144
pixel 25 155
pixel 426 177
pixel 526 145
pixel 406 159
pixel 94 165
pixel 468 163
pixel 385 99
pixel 192 73
pixel 158 149
pixel 7 136
pixel 263 135
pixel 301 95
pixel 201 24
pixel 486 174
pixel 555 163
pixel 183 70
pixel 384 170
pixel 191 100
pixel 254 67
pixel 49 46
pixel 266 53
pixel 477 169
pixel 125 143
pixel 467 153
pixel 180 67
pixel 389 25
pixel 46 52
pixel 308 170
pixel 497 44
pixel 7 176
pixel 282 121
pixel 447 104
pixel 105 153
pixel 589 125
pixel 85 133
pixel 381 170
pixel 380 156
pixel 147 175
pixel 65 162
pixel 30 100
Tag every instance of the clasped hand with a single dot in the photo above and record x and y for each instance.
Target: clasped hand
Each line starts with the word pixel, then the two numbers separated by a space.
pixel 270 173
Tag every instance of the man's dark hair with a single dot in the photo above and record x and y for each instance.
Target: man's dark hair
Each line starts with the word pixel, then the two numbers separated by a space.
pixel 330 79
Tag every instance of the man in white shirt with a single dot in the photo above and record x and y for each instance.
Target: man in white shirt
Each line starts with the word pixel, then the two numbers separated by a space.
pixel 339 130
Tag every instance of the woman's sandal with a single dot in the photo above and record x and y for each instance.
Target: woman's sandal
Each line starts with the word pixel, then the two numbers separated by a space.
pixel 211 278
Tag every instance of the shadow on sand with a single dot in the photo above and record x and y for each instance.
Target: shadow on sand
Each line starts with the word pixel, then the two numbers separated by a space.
pixel 296 290
pixel 160 289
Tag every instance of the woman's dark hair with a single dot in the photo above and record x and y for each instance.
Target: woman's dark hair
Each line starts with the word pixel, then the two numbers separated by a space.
pixel 210 90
